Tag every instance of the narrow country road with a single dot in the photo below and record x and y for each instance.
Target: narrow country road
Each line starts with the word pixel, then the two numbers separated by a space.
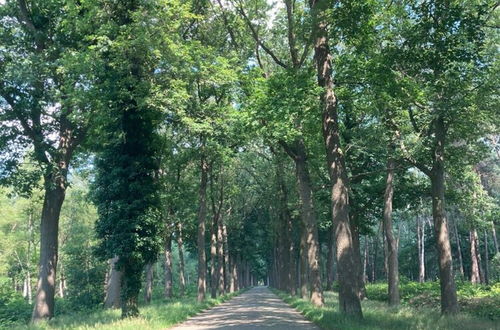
pixel 258 308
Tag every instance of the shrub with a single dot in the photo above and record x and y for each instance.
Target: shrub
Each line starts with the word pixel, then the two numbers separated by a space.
pixel 13 307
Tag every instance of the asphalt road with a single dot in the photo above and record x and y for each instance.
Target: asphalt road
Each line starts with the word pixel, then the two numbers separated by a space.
pixel 258 308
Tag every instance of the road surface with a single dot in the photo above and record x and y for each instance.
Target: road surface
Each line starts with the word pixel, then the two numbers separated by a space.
pixel 257 308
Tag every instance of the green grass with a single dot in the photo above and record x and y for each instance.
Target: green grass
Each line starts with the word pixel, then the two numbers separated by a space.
pixel 158 315
pixel 377 315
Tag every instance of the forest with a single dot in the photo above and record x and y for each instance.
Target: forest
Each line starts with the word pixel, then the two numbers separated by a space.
pixel 160 157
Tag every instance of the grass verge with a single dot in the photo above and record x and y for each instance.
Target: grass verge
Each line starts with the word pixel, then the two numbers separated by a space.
pixel 377 315
pixel 160 314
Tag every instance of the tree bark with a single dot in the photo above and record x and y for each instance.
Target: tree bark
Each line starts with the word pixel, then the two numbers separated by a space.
pixel 357 258
pixel 421 249
pixel 180 246
pixel 303 271
pixel 113 298
pixel 392 249
pixel 213 258
pixel 449 304
pixel 148 292
pixel 55 189
pixel 486 259
pixel 202 214
pixel 284 234
pixel 374 259
pixel 28 257
pixel 459 248
pixel 329 260
pixel 310 224
pixel 234 274
pixel 475 277
pixel 365 259
pixel 62 280
pixel 227 260
pixel 347 270
pixel 495 241
pixel 220 255
pixel 168 267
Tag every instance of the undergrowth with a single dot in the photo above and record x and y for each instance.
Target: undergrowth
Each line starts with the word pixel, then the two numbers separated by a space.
pixel 160 314
pixel 378 315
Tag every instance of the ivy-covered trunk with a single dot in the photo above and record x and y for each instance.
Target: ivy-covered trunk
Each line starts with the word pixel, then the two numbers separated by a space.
pixel 131 286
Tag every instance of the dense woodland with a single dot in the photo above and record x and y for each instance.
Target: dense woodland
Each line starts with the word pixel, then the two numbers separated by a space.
pixel 157 149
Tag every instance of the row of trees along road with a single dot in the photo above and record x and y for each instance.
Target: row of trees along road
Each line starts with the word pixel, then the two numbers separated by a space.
pixel 276 143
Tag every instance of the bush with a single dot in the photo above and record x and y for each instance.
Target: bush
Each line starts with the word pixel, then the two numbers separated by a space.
pixel 479 300
pixel 13 307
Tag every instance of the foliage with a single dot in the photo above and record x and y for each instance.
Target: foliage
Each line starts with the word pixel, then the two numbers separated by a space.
pixel 477 300
pixel 13 307
pixel 158 315
pixel 377 315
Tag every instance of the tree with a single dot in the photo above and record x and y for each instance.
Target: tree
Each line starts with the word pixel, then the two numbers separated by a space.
pixel 44 93
pixel 443 40
pixel 347 267
pixel 126 187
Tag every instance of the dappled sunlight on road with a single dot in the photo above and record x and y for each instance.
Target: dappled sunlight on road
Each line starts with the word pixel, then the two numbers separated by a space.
pixel 255 309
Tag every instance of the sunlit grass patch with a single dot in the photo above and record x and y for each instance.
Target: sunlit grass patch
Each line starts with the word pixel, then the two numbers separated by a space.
pixel 160 314
pixel 378 315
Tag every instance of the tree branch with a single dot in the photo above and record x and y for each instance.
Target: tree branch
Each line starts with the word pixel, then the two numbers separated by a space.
pixel 24 16
pixel 255 36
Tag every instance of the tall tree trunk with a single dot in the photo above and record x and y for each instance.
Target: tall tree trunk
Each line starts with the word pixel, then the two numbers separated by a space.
pixel 168 267
pixel 180 246
pixel 213 258
pixel 227 259
pixel 365 259
pixel 486 259
pixel 247 274
pixel 202 214
pixel 293 261
pixel 148 291
pixel 495 241
pixel 55 189
pixel 392 249
pixel 459 248
pixel 284 234
pixel 347 270
pixel 329 260
pixel 475 277
pixel 374 260
pixel 113 298
pixel 357 258
pixel 233 280
pixel 239 269
pixel 220 255
pixel 62 280
pixel 310 224
pixel 29 294
pixel 303 271
pixel 421 249
pixel 449 304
